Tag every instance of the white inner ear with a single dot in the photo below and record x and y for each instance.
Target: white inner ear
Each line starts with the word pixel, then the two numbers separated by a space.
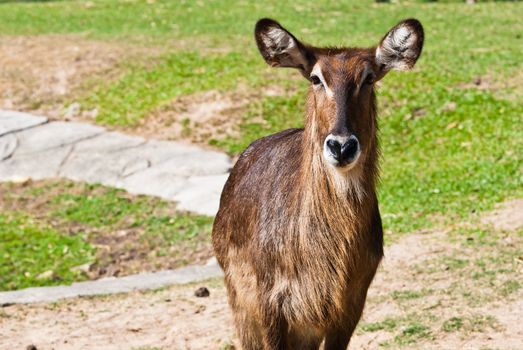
pixel 279 43
pixel 278 40
pixel 396 51
pixel 316 70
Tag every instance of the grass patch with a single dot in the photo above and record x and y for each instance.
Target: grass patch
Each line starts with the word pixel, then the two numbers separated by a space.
pixel 388 324
pixel 475 323
pixel 33 254
pixel 412 333
pixel 510 287
pixel 408 330
pixel 410 294
pixel 453 324
pixel 264 117
pixel 488 273
pixel 430 172
pixel 62 232
pixel 142 90
pixel 91 203
pixel 453 263
pixel 474 286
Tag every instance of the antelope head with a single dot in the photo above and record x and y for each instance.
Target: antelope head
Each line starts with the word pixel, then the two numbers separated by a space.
pixel 341 109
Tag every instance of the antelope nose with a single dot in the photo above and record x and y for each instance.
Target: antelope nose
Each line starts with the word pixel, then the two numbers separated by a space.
pixel 343 149
pixel 334 147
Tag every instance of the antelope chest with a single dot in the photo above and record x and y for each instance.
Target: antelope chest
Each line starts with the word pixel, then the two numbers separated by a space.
pixel 316 284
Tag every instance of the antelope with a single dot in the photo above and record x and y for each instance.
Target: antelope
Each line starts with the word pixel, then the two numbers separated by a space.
pixel 298 233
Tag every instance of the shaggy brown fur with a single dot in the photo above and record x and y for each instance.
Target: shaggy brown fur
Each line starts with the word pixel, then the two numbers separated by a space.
pixel 299 239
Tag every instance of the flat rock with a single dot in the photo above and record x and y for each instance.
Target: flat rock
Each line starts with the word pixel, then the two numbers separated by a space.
pixel 201 194
pixel 54 135
pixel 143 281
pixel 39 165
pixel 159 151
pixel 109 142
pixel 188 174
pixel 154 182
pixel 104 159
pixel 8 144
pixel 11 121
pixel 197 162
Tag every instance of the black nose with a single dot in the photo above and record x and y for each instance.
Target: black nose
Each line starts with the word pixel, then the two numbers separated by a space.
pixel 346 152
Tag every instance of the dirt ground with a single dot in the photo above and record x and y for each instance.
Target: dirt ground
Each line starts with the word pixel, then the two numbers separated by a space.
pixel 197 118
pixel 200 117
pixel 508 88
pixel 170 319
pixel 418 287
pixel 40 73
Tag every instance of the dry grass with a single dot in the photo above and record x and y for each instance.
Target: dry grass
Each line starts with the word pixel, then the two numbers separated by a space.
pixel 41 73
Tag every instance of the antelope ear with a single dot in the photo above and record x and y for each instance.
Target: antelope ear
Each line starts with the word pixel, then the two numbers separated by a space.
pixel 401 46
pixel 280 48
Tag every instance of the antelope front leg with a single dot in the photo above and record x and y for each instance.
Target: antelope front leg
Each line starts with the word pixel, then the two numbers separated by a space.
pixel 274 328
pixel 338 339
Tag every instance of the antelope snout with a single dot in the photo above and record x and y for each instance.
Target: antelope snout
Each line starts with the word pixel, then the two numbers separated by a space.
pixel 341 150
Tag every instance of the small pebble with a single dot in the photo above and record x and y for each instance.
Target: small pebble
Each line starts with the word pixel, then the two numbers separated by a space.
pixel 31 347
pixel 202 292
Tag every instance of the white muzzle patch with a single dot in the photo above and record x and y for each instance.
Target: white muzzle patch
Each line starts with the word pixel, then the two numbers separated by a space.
pixel 334 151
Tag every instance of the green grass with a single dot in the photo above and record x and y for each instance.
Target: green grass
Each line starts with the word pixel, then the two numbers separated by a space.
pixel 91 206
pixel 407 329
pixel 437 167
pixel 510 287
pixel 29 249
pixel 410 294
pixel 453 324
pixel 475 323
pixel 52 227
pixel 388 324
pixel 128 100
pixel 412 333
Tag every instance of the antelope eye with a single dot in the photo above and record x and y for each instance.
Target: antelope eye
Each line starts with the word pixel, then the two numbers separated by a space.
pixel 315 80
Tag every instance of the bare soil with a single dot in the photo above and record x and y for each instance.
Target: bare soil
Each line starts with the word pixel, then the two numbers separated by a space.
pixel 40 73
pixel 171 319
pixel 431 303
pixel 201 117
pixel 508 88
pixel 197 118
pixel 507 216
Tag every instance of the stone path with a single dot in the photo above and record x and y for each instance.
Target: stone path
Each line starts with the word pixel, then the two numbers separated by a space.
pixel 30 146
pixel 33 147
pixel 113 285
